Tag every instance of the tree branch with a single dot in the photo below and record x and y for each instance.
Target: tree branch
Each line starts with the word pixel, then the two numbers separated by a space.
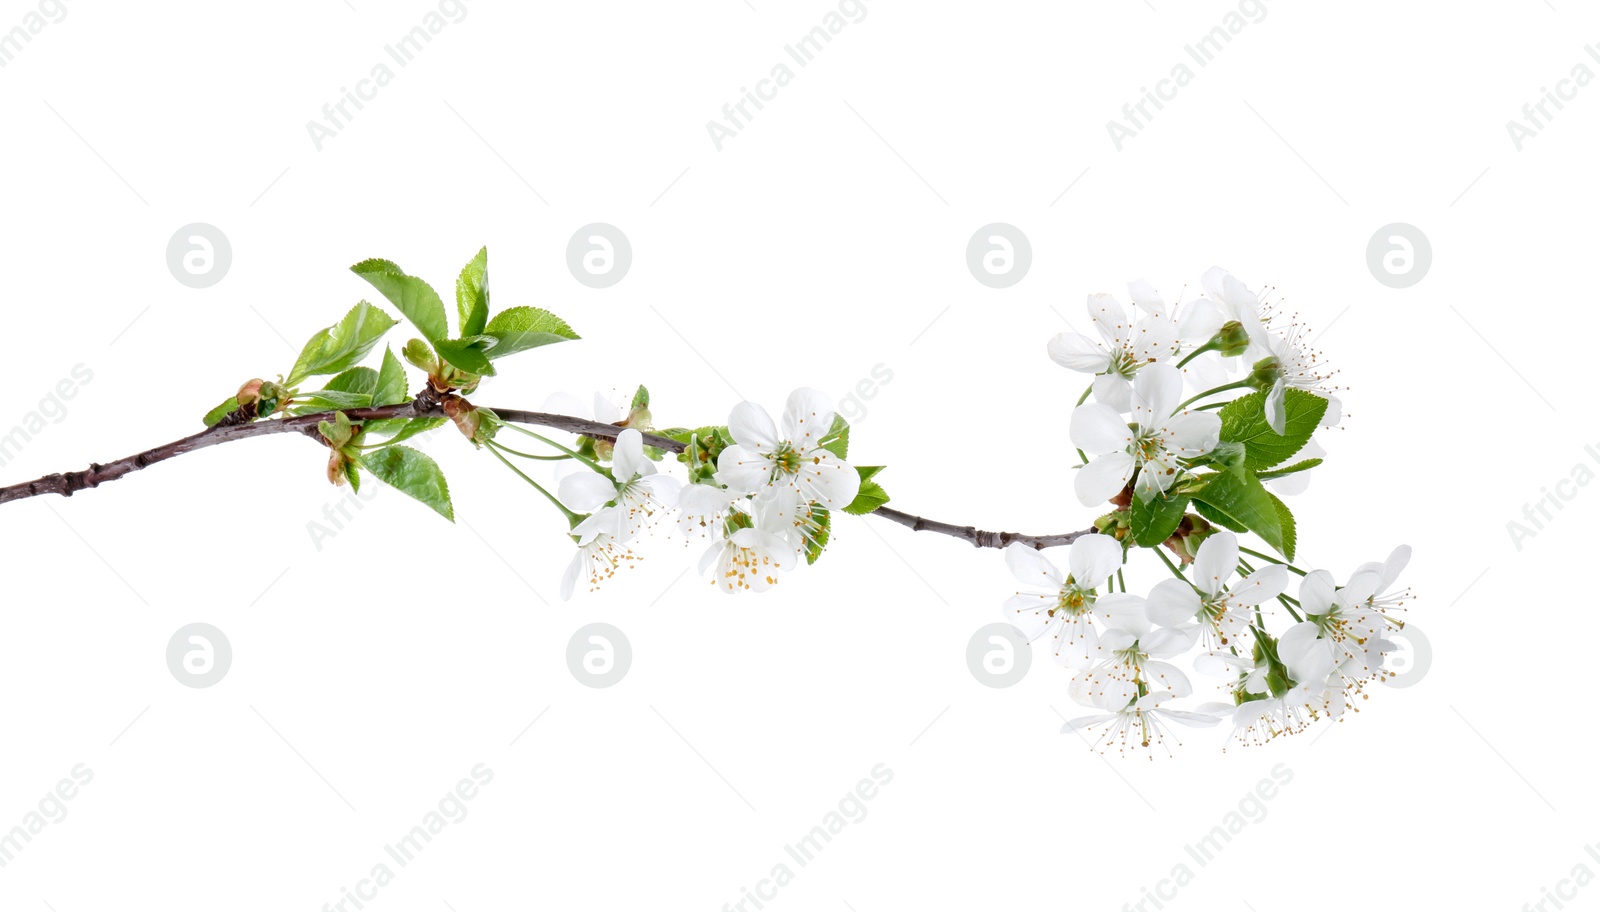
pixel 68 483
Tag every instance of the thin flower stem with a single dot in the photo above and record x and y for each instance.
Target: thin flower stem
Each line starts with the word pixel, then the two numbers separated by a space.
pixel 1173 567
pixel 571 516
pixel 1237 384
pixel 1120 581
pixel 1082 456
pixel 505 449
pixel 548 442
pixel 1287 607
pixel 1209 346
pixel 1268 557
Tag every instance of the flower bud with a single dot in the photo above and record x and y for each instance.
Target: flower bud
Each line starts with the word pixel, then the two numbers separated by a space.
pixel 1265 373
pixel 468 420
pixel 1232 339
pixel 249 393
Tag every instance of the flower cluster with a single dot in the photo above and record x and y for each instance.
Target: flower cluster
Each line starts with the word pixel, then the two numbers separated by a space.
pixel 761 494
pixel 1185 476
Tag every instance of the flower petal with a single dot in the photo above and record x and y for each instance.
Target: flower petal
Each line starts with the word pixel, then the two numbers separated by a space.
pixel 807 418
pixel 586 492
pixel 1103 478
pixel 1172 602
pixel 1078 352
pixel 1156 392
pixel 1096 428
pixel 752 427
pixel 1032 568
pixel 1216 561
pixel 1093 558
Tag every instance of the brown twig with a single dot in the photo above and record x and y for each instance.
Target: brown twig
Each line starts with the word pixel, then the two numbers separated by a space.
pixel 68 483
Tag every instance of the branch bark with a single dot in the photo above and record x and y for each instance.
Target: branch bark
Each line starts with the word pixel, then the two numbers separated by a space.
pixel 68 483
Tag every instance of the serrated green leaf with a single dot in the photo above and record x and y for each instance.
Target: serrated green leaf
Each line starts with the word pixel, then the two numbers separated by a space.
pixel 472 294
pixel 328 400
pixel 413 473
pixel 1300 466
pixel 522 328
pixel 420 354
pixel 819 540
pixel 338 431
pixel 355 380
pixel 1247 502
pixel 1228 455
pixel 222 411
pixel 837 440
pixel 1153 521
pixel 412 296
pixel 871 495
pixel 1217 516
pixel 1286 524
pixel 1245 420
pixel 341 345
pixel 641 398
pixel 353 475
pixel 403 428
pixel 465 354
pixel 390 388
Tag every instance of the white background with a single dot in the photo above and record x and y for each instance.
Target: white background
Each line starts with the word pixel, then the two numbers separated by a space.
pixel 825 239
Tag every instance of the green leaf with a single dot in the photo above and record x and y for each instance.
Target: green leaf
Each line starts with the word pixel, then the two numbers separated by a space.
pixel 1217 516
pixel 390 388
pixel 1246 502
pixel 1228 455
pixel 641 398
pixel 1245 420
pixel 522 328
pixel 815 544
pixel 466 354
pixel 406 427
pixel 414 297
pixel 338 431
pixel 420 354
pixel 1300 466
pixel 221 411
pixel 412 472
pixel 341 345
pixel 472 294
pixel 361 380
pixel 353 475
pixel 1153 521
pixel 1286 523
pixel 871 496
pixel 837 440
pixel 328 400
